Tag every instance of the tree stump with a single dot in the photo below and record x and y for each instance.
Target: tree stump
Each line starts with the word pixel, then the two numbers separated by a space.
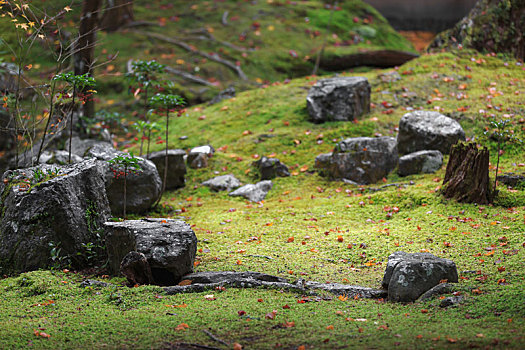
pixel 467 174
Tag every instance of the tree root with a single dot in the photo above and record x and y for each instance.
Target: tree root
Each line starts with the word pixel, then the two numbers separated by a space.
pixel 213 57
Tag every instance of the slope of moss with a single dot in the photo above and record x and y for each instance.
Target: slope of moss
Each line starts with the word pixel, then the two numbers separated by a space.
pixel 268 40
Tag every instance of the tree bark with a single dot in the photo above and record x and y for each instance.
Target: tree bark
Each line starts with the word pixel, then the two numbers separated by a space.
pixel 117 13
pixel 467 174
pixel 85 46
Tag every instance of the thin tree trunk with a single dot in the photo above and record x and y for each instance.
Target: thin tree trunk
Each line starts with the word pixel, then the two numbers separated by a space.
pixel 125 187
pixel 71 123
pixel 117 14
pixel 320 53
pixel 85 47
pixel 165 176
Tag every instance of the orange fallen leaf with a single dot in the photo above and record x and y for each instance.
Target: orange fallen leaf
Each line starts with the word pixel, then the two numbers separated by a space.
pixel 330 327
pixel 237 346
pixel 41 334
pixel 181 327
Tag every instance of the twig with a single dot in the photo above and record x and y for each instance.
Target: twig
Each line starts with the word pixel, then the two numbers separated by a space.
pixel 212 57
pixel 214 337
pixel 224 19
pixel 198 346
pixel 261 256
pixel 187 76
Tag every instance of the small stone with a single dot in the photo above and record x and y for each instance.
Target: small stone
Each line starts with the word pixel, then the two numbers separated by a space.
pixel 451 301
pixel 136 269
pixel 420 162
pixel 254 193
pixel 269 168
pixel 222 183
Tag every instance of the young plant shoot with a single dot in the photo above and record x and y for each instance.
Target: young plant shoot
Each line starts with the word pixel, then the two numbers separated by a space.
pixel 166 103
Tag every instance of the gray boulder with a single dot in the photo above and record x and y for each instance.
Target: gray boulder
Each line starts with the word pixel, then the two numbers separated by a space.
pixel 338 99
pixel 270 168
pixel 222 183
pixel 200 152
pixel 59 157
pixel 176 166
pixel 408 276
pixel 142 186
pixel 136 269
pixel 199 161
pixel 420 162
pixel 512 180
pixel 427 130
pixel 168 245
pixel 225 94
pixel 254 193
pixel 322 163
pixel 66 212
pixel 81 147
pixel 363 160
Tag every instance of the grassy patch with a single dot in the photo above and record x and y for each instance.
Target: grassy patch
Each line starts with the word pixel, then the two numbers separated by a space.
pixel 487 243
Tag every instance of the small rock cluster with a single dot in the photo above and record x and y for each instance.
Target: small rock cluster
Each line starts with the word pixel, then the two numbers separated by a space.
pixel 423 138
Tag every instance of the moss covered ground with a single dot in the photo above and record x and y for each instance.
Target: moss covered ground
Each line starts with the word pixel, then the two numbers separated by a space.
pixel 307 227
pixel 314 229
pixel 268 40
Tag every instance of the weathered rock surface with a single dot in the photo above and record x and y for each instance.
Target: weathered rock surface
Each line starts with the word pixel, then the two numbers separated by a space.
pixel 408 276
pixel 202 281
pixel 347 290
pixel 200 152
pixel 389 77
pixel 199 161
pixel 81 147
pixel 420 162
pixel 338 99
pixel 512 180
pixel 136 269
pixel 254 193
pixel 169 246
pixel 65 211
pixel 427 130
pixel 270 168
pixel 363 160
pixel 442 288
pixel 451 301
pixel 491 26
pixel 59 157
pixel 225 94
pixel 222 183
pixel 142 188
pixel 222 276
pixel 176 166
